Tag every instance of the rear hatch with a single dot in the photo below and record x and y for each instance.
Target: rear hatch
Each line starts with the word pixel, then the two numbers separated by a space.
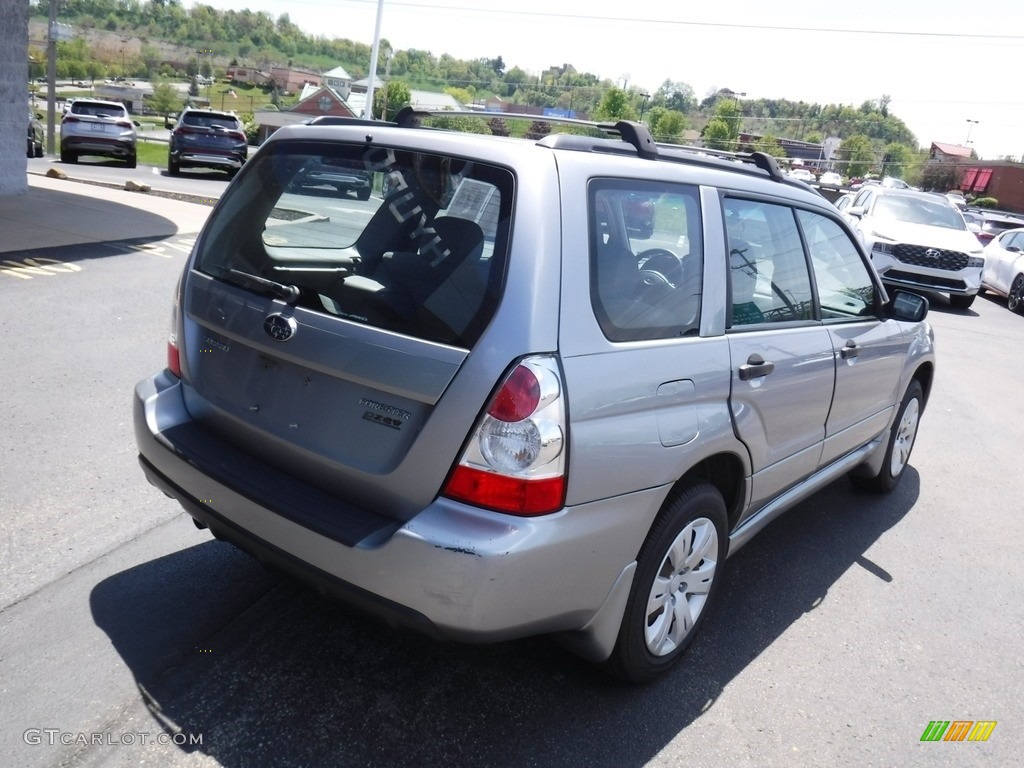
pixel 323 335
pixel 204 132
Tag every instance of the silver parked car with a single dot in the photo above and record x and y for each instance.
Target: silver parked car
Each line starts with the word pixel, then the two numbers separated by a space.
pixel 97 127
pixel 542 387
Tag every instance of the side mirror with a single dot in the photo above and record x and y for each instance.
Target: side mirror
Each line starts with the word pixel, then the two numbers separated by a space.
pixel 856 211
pixel 137 123
pixel 907 306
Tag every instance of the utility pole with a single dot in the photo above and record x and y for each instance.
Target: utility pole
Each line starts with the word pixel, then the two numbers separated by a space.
pixel 368 109
pixel 51 78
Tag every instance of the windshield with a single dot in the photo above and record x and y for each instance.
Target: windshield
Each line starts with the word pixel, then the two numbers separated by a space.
pixel 407 242
pixel 914 210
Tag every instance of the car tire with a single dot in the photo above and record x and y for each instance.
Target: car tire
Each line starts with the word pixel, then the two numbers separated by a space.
pixel 962 302
pixel 39 150
pixel 900 445
pixel 173 168
pixel 67 156
pixel 1015 296
pixel 678 574
pixel 132 162
pixel 363 194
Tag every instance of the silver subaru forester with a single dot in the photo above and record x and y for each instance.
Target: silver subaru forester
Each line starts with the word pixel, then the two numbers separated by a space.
pixel 537 386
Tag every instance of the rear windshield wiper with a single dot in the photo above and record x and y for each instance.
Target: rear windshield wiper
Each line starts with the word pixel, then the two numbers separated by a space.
pixel 287 293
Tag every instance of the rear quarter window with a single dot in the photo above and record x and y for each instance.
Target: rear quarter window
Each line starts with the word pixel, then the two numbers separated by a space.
pixel 646 255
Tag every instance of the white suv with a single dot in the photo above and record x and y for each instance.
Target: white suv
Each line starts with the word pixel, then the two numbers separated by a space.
pixel 918 240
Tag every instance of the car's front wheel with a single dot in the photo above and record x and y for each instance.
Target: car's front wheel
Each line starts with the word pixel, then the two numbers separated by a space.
pixel 901 443
pixel 1015 298
pixel 678 573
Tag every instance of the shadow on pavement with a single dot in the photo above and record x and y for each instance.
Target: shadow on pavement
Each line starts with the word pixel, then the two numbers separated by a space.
pixel 295 680
pixel 47 227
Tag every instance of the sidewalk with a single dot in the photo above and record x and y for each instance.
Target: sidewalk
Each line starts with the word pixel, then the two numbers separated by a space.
pixel 59 212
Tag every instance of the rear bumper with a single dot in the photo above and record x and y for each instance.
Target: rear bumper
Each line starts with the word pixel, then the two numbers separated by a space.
pixel 99 146
pixel 452 571
pixel 208 159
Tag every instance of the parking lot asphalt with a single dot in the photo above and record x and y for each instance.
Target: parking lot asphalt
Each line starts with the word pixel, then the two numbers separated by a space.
pixel 62 212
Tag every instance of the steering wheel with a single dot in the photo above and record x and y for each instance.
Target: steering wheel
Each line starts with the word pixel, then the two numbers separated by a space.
pixel 660 272
pixel 662 261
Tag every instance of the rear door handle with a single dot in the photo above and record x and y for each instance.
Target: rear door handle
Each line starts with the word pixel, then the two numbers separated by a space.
pixel 850 351
pixel 754 367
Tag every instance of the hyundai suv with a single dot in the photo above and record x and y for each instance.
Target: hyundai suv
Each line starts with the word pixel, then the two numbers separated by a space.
pixel 206 138
pixel 543 387
pixel 96 127
pixel 918 240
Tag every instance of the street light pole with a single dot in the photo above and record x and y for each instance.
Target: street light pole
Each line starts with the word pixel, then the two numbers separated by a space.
pixel 970 124
pixel 368 109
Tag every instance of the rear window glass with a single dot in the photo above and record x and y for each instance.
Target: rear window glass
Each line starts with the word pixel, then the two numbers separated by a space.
pixel 210 121
pixel 407 242
pixel 97 110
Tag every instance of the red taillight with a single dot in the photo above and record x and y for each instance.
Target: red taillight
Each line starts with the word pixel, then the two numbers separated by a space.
pixel 506 494
pixel 173 357
pixel 518 398
pixel 515 459
pixel 70 119
pixel 173 352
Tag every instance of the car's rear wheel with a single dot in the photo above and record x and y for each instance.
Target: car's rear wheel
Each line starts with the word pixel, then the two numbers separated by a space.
pixel 962 302
pixel 132 161
pixel 678 572
pixel 363 194
pixel 39 150
pixel 173 168
pixel 67 156
pixel 901 443
pixel 1015 298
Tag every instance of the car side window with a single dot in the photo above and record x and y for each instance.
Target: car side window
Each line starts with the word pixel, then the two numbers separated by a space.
pixel 646 256
pixel 845 288
pixel 769 281
pixel 863 199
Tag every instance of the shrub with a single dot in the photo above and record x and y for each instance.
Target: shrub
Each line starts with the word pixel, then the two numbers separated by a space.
pixel 985 202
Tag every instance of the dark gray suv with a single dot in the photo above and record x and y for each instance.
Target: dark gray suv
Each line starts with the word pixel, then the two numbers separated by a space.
pixel 541 387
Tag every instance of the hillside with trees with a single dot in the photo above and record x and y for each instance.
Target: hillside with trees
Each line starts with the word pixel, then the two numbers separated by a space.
pixel 160 39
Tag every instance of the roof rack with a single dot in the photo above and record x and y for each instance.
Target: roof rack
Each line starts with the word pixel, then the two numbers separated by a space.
pixel 633 133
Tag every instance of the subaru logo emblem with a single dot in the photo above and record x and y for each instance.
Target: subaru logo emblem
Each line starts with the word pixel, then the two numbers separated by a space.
pixel 931 253
pixel 279 327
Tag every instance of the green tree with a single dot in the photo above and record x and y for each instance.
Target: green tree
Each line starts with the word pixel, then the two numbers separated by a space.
pixel 895 159
pixel 615 105
pixel 391 98
pixel 940 177
pixel 856 154
pixel 165 98
pixel 718 135
pixel 667 125
pixel 769 145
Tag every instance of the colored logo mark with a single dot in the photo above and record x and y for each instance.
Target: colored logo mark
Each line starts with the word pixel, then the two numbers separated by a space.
pixel 958 730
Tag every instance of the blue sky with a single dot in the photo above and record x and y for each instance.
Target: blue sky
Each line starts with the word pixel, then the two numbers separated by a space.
pixel 942 63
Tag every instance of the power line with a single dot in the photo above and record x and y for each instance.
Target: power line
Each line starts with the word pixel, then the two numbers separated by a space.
pixel 675 22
